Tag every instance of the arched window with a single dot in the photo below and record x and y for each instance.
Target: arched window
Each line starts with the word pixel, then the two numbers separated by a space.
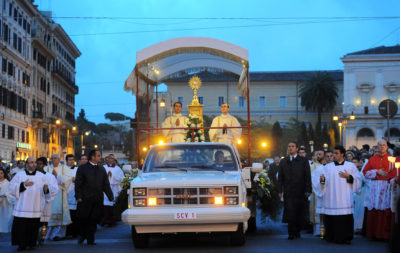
pixel 365 132
pixel 394 132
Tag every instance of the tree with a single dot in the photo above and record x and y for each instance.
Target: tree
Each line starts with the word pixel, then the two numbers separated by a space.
pixel 113 116
pixel 319 94
pixel 302 135
pixel 276 139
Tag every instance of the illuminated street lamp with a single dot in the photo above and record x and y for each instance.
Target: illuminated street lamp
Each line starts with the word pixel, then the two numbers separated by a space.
pixel 263 144
pixel 95 146
pixel 144 149
pixel 239 141
pixel 162 103
pixel 352 116
pixel 58 122
pixel 335 117
pixel 74 128
pixel 87 133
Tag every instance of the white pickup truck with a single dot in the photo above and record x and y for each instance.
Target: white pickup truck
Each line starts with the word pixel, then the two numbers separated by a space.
pixel 189 187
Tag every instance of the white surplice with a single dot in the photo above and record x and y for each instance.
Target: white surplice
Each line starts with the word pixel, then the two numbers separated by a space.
pixel 317 197
pixel 359 200
pixel 53 190
pixel 175 135
pixel 115 182
pixel 337 192
pixel 28 203
pixel 60 216
pixel 71 190
pixel 6 207
pixel 231 135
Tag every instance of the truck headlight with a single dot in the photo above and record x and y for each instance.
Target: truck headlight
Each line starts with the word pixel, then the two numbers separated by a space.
pixel 139 202
pixel 218 201
pixel 230 190
pixel 152 201
pixel 139 191
pixel 231 200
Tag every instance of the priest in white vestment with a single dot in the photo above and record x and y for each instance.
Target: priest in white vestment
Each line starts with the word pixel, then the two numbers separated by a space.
pixel 225 135
pixel 20 167
pixel 6 204
pixel 29 187
pixel 73 228
pixel 53 189
pixel 177 120
pixel 338 182
pixel 60 216
pixel 314 216
pixel 115 176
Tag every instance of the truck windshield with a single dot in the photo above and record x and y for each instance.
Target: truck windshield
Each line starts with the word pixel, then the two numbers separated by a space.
pixel 190 158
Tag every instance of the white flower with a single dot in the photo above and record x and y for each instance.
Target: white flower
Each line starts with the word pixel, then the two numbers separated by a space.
pixel 195 116
pixel 192 125
pixel 196 139
pixel 199 132
pixel 188 140
pixel 202 138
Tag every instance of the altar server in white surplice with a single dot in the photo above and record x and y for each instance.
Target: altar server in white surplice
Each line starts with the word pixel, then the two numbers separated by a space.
pixel 60 216
pixel 53 188
pixel 175 121
pixel 225 135
pixel 6 203
pixel 29 187
pixel 115 176
pixel 338 182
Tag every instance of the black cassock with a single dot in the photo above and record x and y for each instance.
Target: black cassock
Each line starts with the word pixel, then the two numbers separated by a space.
pixel 90 184
pixel 294 180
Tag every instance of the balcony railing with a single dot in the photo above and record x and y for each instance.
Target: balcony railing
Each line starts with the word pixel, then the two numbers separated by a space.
pixel 37 115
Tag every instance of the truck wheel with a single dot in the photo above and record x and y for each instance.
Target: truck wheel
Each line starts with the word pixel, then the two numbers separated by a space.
pixel 238 237
pixel 140 241
pixel 252 225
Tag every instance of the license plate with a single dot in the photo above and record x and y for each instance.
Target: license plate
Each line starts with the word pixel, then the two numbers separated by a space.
pixel 185 216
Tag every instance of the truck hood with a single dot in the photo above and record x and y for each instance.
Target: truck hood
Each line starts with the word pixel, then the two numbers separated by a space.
pixel 187 179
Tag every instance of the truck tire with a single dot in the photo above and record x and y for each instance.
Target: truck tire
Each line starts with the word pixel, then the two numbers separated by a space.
pixel 238 238
pixel 140 241
pixel 252 225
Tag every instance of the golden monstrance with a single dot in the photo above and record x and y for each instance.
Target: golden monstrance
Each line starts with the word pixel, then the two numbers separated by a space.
pixel 196 108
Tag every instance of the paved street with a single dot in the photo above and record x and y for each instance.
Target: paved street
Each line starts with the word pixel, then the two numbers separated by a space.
pixel 269 238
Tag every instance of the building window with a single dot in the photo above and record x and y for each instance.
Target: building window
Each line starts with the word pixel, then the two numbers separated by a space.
pixel 261 101
pixel 365 99
pixel 365 132
pixel 201 100
pixel 220 100
pixel 10 135
pixel 180 99
pixel 241 101
pixel 3 131
pixel 282 101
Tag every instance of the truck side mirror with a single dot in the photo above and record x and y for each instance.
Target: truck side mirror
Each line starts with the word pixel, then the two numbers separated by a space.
pixel 256 167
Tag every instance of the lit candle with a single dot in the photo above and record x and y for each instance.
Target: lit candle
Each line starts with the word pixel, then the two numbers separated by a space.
pixel 397 165
pixel 392 160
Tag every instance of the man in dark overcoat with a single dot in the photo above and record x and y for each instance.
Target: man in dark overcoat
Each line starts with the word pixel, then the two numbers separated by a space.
pixel 90 184
pixel 294 184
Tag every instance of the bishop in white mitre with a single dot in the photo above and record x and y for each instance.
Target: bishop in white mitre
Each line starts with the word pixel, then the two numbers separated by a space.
pixel 225 135
pixel 29 187
pixel 177 120
pixel 60 216
pixel 338 181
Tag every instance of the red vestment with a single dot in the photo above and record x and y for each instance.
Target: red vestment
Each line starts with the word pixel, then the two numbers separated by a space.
pixel 380 218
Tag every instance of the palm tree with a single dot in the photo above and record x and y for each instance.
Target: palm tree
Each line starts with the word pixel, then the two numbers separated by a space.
pixel 319 94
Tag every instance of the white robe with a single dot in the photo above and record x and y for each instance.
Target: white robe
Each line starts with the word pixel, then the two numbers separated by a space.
pixel 359 200
pixel 15 170
pixel 115 181
pixel 53 189
pixel 29 202
pixel 337 192
pixel 6 207
pixel 59 206
pixel 175 135
pixel 71 190
pixel 233 134
pixel 317 189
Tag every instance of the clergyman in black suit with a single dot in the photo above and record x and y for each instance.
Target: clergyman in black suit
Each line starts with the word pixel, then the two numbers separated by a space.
pixel 90 184
pixel 294 184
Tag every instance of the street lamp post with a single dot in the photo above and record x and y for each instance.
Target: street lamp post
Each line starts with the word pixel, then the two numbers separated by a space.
pixel 311 145
pixel 83 147
pixel 342 124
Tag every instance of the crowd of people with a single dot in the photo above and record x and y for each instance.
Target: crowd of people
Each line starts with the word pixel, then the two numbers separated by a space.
pixel 54 200
pixel 338 193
